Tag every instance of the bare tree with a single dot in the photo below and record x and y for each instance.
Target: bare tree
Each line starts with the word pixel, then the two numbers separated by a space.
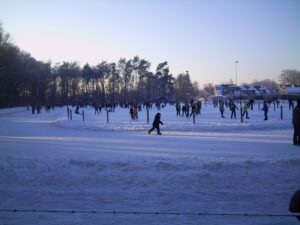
pixel 102 73
pixel 270 84
pixel 209 88
pixel 183 86
pixel 24 78
pixel 290 77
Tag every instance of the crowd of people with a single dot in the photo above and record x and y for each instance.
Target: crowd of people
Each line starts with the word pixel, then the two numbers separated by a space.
pixel 195 108
pixel 191 108
pixel 244 108
pixel 184 110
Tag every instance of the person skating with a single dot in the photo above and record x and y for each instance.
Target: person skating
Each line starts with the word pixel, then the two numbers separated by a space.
pixel 296 123
pixel 131 112
pixel 233 109
pixel 187 110
pixel 222 108
pixel 245 111
pixel 295 204
pixel 291 103
pixel 135 112
pixel 183 110
pixel 265 108
pixel 178 108
pixel 199 105
pixel 194 110
pixel 77 109
pixel 155 124
pixel 251 102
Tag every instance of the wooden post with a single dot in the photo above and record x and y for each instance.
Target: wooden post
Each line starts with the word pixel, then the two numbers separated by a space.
pixel 258 105
pixel 281 114
pixel 147 115
pixel 274 106
pixel 68 111
pixel 70 114
pixel 241 106
pixel 241 114
pixel 107 117
pixel 82 116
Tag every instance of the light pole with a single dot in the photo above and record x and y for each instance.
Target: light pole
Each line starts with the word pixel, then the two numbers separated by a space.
pixel 236 62
pixel 185 88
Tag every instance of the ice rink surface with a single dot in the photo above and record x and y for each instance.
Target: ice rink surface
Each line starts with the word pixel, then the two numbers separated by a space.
pixel 215 165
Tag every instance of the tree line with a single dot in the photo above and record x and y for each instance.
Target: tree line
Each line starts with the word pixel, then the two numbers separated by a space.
pixel 25 80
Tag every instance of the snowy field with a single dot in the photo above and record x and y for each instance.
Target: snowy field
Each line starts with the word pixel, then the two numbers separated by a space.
pixel 48 162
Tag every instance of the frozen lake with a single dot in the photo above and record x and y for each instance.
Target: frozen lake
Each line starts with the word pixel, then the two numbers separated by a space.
pixel 216 166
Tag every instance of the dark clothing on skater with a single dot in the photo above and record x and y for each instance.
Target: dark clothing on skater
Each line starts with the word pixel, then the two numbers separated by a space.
pixel 194 110
pixel 265 108
pixel 183 110
pixel 199 105
pixel 251 103
pixel 131 112
pixel 233 109
pixel 187 110
pixel 33 107
pixel 245 111
pixel 178 109
pixel 77 109
pixel 295 204
pixel 222 108
pixel 291 104
pixel 296 123
pixel 155 124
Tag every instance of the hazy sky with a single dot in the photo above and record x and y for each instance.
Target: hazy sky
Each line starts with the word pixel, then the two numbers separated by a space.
pixel 204 37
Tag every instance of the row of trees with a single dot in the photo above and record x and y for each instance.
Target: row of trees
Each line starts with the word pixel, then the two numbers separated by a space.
pixel 24 80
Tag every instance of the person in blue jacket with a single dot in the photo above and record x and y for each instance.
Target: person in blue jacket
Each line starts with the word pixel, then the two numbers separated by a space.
pixel 155 124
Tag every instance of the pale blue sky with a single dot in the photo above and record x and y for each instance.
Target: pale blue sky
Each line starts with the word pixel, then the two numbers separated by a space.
pixel 204 37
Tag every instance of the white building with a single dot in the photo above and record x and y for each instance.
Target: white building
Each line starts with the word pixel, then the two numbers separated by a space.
pixel 233 91
pixel 290 90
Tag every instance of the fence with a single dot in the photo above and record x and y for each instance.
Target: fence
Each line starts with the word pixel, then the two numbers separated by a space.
pixel 150 213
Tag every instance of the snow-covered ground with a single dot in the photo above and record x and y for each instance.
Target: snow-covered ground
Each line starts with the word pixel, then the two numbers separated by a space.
pixel 48 162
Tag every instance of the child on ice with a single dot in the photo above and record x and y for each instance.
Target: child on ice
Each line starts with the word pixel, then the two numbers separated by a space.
pixel 156 123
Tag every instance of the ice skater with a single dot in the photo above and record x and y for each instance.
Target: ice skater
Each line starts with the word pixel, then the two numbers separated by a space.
pixel 178 108
pixel 295 204
pixel 265 108
pixel 222 108
pixel 245 110
pixel 155 124
pixel 296 123
pixel 233 109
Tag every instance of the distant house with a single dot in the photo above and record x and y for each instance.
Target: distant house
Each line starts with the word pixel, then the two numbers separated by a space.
pixel 233 91
pixel 289 91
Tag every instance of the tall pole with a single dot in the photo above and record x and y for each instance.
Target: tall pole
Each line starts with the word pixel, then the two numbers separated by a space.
pixel 236 62
pixel 241 111
pixel 67 76
pixel 185 91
